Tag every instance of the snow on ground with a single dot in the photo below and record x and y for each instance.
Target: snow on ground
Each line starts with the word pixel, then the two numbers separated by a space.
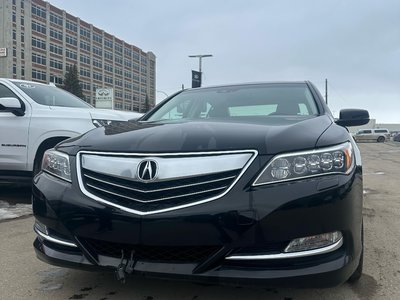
pixel 10 211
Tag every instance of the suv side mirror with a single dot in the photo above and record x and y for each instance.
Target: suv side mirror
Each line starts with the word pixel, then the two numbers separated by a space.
pixel 353 117
pixel 13 105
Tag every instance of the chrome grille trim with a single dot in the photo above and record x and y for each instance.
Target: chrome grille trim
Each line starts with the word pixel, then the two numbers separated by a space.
pixel 157 190
pixel 159 199
pixel 252 157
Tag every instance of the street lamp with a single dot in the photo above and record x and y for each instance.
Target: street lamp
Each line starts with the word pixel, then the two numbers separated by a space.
pixel 200 56
pixel 196 76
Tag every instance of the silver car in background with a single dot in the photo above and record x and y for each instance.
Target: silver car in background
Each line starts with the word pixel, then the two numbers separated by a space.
pixel 379 135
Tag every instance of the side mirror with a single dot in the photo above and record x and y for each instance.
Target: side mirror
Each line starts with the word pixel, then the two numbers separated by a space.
pixel 12 105
pixel 353 117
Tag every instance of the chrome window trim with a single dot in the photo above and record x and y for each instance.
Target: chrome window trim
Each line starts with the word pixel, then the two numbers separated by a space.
pixel 150 155
pixel 298 254
pixel 54 240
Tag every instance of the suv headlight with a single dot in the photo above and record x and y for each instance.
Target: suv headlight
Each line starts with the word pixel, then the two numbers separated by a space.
pixel 297 165
pixel 57 163
pixel 101 122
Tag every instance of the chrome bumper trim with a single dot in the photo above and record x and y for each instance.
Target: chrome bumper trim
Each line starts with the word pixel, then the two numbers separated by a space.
pixel 298 254
pixel 52 239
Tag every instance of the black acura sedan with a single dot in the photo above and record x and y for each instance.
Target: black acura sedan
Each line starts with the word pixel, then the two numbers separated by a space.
pixel 251 184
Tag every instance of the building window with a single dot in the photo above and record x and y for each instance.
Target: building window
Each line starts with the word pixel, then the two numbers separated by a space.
pixel 38 59
pixel 118 48
pixel 85 85
pixel 118 71
pixel 38 11
pixel 108 67
pixel 97 38
pixel 56 34
pixel 71 54
pixel 71 26
pixel 56 49
pixel 85 59
pixel 57 64
pixel 37 74
pixel 108 43
pixel 118 59
pixel 14 69
pixel 56 19
pixel 14 17
pixel 22 37
pixel 14 52
pixel 23 72
pixel 85 46
pixel 71 40
pixel 136 56
pixel 84 72
pixel 118 82
pixel 38 27
pixel 22 53
pixel 38 43
pixel 85 32
pixel 97 63
pixel 128 74
pixel 108 55
pixel 22 20
pixel 108 79
pixel 97 76
pixel 97 51
pixel 56 79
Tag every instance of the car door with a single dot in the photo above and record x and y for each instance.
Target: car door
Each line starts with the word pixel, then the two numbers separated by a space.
pixel 13 134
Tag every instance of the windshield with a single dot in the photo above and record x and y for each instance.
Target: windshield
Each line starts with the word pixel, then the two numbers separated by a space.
pixel 235 102
pixel 50 95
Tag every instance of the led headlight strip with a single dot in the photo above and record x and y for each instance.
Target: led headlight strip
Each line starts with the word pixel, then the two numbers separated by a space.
pixel 57 164
pixel 318 162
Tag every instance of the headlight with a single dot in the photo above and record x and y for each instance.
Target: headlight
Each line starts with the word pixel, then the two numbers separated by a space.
pixel 101 122
pixel 57 164
pixel 333 160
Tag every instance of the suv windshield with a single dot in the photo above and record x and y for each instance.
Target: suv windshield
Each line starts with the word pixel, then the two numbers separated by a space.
pixel 50 95
pixel 235 102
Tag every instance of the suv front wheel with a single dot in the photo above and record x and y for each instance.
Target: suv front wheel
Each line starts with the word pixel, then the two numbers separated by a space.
pixel 381 139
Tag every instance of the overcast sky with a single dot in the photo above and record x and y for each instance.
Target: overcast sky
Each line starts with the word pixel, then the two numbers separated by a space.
pixel 355 44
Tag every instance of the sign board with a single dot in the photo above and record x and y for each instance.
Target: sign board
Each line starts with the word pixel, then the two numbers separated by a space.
pixel 3 52
pixel 105 98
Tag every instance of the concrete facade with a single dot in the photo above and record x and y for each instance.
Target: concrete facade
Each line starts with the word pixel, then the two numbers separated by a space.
pixel 43 41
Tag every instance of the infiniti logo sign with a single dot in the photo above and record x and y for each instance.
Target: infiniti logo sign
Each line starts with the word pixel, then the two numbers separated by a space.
pixel 147 170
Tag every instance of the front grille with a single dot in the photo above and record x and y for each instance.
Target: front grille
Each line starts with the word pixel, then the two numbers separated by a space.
pixel 153 196
pixel 153 253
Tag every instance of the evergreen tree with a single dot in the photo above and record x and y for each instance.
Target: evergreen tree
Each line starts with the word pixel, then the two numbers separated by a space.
pixel 71 82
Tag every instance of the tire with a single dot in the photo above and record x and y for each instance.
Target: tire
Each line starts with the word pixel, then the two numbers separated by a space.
pixel 358 272
pixel 381 139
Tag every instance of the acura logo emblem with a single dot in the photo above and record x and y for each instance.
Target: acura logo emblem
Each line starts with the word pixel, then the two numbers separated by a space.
pixel 147 170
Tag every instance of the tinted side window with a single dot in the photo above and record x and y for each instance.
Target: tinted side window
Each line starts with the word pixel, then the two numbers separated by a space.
pixel 381 131
pixel 6 92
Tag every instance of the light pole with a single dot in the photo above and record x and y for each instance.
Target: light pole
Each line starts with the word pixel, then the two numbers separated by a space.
pixel 162 92
pixel 200 57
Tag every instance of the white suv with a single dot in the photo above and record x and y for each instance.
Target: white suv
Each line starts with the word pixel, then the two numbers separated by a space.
pixel 35 117
pixel 379 135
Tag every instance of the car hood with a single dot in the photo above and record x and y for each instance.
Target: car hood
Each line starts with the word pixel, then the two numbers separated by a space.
pixel 273 136
pixel 108 114
pixel 96 113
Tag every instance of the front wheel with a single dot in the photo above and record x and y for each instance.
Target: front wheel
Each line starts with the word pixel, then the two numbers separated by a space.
pixel 381 139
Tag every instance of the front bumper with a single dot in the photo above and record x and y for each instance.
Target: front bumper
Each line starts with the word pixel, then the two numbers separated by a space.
pixel 246 221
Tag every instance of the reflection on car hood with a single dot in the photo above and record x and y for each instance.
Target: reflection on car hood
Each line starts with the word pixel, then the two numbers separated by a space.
pixel 275 135
pixel 108 114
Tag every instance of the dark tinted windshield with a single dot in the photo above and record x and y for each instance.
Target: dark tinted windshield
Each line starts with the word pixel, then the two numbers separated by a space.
pixel 234 102
pixel 50 95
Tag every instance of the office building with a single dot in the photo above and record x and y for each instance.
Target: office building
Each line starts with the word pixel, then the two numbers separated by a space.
pixel 39 42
